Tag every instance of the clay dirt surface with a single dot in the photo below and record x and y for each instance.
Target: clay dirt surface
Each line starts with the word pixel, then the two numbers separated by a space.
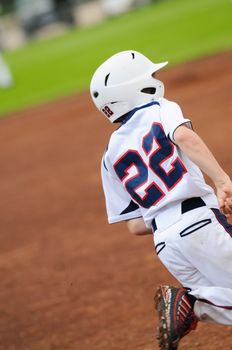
pixel 68 279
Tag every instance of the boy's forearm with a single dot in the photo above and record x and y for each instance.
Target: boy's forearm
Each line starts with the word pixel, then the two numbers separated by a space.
pixel 196 150
pixel 138 227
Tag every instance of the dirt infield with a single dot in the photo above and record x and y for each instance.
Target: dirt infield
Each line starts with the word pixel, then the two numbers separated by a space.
pixel 68 279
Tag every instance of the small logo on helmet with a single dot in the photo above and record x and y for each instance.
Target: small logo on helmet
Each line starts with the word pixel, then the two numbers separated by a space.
pixel 107 111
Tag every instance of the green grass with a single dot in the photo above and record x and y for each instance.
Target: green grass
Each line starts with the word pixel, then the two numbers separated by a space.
pixel 173 30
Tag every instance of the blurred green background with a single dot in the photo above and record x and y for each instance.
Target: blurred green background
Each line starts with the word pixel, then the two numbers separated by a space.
pixel 173 30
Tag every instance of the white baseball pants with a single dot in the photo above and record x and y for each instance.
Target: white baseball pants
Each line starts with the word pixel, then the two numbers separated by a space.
pixel 197 250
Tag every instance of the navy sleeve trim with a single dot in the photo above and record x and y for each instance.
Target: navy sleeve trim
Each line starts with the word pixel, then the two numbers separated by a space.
pixel 184 122
pixel 131 207
pixel 103 159
pixel 104 164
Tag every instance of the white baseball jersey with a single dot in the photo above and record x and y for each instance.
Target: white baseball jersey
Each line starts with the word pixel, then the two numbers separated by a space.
pixel 144 173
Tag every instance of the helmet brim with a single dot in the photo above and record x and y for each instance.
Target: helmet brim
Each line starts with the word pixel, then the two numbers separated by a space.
pixel 158 66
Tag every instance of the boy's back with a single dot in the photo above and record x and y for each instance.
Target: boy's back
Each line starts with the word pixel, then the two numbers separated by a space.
pixel 144 162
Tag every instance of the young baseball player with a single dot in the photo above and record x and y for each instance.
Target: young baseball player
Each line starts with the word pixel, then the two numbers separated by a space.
pixel 152 179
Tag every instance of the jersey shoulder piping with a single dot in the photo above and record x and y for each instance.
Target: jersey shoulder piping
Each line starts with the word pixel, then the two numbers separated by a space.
pixel 133 111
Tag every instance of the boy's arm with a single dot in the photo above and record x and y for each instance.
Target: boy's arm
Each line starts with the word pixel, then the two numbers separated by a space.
pixel 196 150
pixel 138 227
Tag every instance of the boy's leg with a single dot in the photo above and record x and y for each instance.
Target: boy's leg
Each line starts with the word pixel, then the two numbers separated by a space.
pixel 213 305
pixel 201 260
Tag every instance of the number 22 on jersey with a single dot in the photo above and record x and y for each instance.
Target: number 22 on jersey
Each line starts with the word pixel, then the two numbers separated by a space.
pixel 154 160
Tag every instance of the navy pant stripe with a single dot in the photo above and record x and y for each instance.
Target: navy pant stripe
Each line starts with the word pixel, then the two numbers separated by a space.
pixel 221 218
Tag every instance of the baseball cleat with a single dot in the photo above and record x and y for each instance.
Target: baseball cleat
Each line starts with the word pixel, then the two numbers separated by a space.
pixel 176 316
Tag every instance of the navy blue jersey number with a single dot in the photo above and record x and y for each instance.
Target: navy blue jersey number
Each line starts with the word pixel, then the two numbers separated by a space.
pixel 152 191
pixel 164 151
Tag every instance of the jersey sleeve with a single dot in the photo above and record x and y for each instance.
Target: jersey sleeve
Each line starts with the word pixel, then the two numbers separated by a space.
pixel 172 117
pixel 119 205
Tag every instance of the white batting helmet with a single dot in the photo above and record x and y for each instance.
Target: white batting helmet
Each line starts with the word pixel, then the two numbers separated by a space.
pixel 125 81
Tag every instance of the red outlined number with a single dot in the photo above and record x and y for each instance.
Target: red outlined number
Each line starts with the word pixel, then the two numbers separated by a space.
pixel 152 193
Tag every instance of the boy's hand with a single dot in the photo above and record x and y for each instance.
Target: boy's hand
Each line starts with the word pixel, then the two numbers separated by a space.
pixel 224 195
